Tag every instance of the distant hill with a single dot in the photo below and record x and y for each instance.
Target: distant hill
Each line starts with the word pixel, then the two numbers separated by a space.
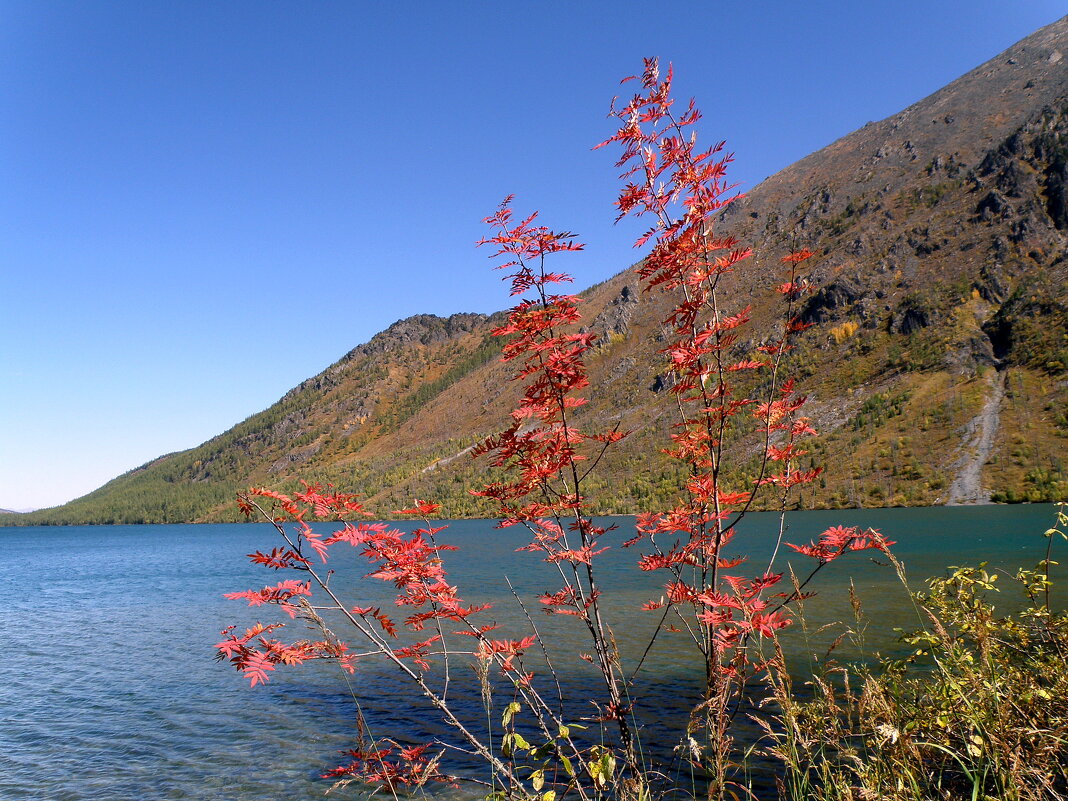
pixel 938 373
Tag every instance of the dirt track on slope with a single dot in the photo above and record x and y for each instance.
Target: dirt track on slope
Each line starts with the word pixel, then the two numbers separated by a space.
pixel 967 486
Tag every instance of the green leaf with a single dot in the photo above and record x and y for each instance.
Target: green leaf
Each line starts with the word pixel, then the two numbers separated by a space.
pixel 570 771
pixel 608 763
pixel 601 767
pixel 537 778
pixel 509 712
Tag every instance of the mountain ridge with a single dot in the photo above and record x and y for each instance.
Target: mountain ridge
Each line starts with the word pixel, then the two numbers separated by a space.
pixel 941 288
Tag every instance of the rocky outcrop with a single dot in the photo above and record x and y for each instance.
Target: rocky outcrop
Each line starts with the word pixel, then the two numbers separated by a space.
pixel 616 317
pixel 424 329
pixel 831 301
pixel 911 315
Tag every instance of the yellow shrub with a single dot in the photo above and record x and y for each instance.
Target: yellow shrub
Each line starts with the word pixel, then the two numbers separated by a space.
pixel 844 331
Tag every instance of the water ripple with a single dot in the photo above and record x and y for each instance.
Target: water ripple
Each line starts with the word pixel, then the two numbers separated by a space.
pixel 110 692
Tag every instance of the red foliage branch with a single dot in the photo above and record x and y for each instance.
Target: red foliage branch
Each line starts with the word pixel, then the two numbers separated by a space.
pixel 548 457
pixel 683 188
pixel 543 448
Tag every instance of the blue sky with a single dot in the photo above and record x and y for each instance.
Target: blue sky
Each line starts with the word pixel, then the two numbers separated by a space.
pixel 202 204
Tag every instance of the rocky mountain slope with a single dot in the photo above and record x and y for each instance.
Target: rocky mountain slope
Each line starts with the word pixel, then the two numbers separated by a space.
pixel 938 371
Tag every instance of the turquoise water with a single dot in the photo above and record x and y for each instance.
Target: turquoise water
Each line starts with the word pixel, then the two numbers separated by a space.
pixel 110 691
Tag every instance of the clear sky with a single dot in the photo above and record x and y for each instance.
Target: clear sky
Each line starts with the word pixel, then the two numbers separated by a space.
pixel 204 203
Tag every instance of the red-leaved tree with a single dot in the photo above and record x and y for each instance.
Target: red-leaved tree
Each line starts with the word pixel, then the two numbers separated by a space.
pixel 726 607
pixel 682 188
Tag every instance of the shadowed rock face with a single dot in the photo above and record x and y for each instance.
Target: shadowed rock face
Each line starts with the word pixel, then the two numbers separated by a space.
pixel 832 300
pixel 1057 195
pixel 941 235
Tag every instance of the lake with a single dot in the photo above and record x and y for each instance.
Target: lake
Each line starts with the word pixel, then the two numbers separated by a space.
pixel 110 690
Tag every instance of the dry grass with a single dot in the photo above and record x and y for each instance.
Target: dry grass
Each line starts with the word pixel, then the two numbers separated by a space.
pixel 978 711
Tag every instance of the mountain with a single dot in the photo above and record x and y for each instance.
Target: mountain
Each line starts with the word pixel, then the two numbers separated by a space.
pixel 938 373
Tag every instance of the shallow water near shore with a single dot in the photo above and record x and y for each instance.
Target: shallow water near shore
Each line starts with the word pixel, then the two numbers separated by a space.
pixel 110 690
